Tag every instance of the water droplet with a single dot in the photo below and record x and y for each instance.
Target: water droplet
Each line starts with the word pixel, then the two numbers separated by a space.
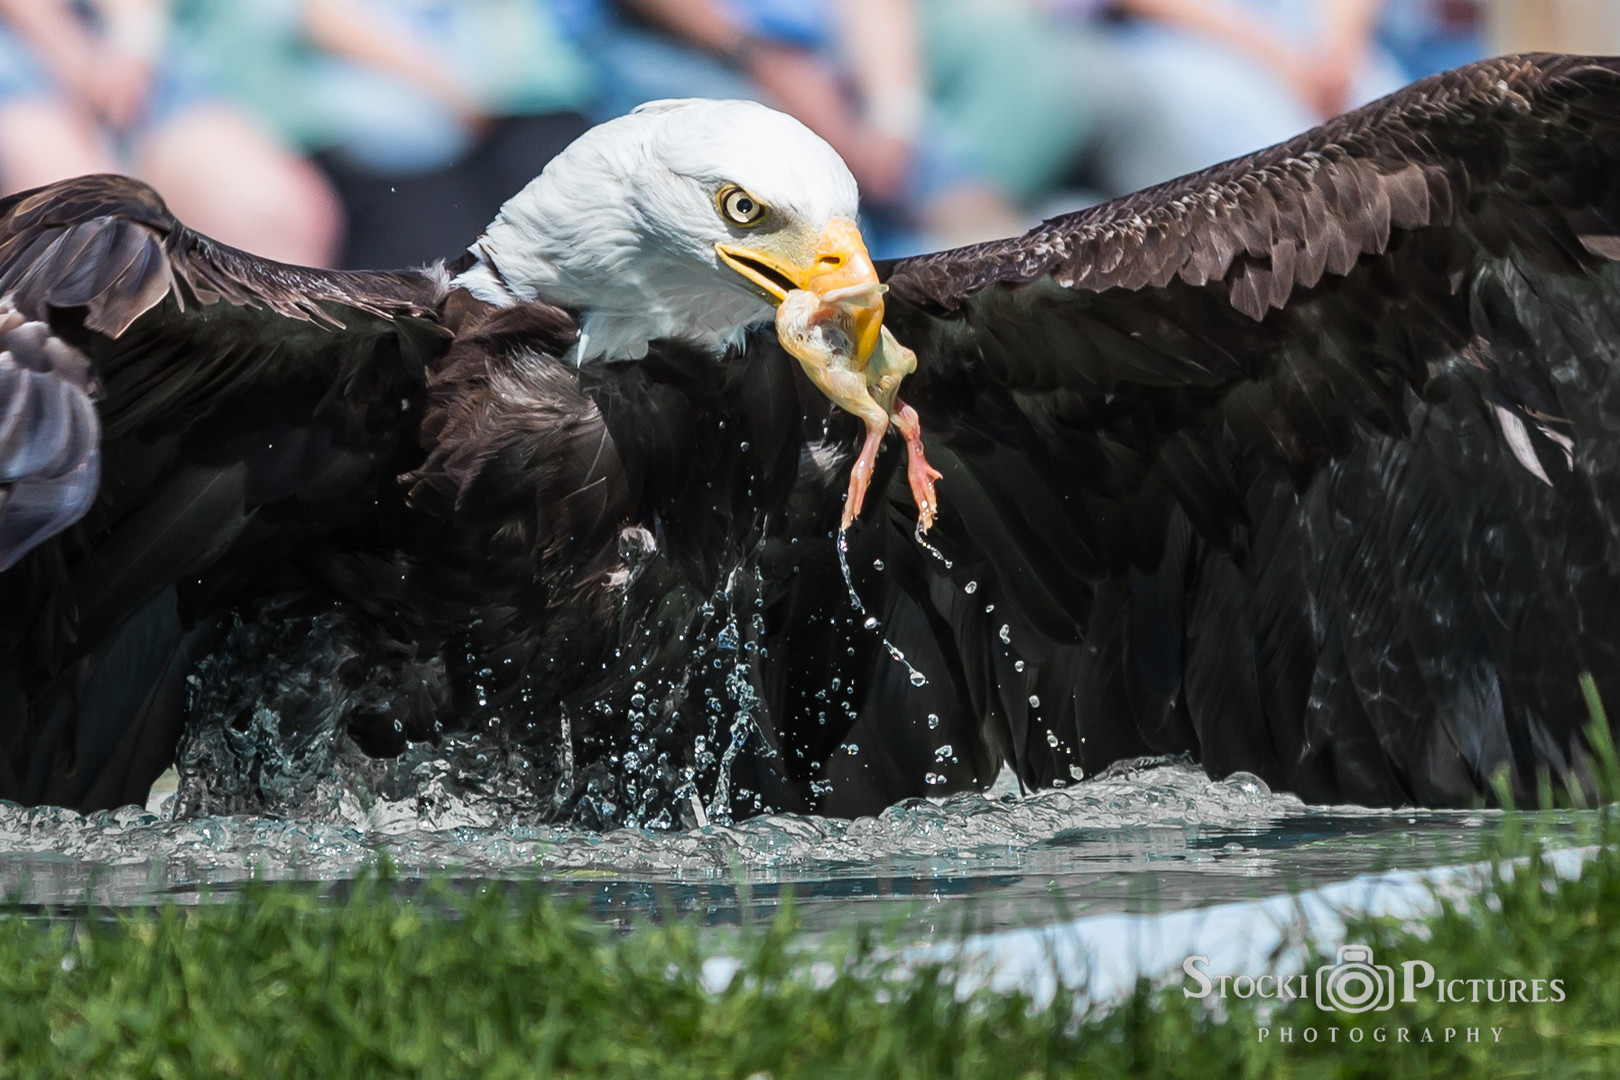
pixel 971 587
pixel 1077 772
pixel 877 564
pixel 1034 701
pixel 871 620
pixel 1006 634
pixel 852 749
pixel 943 753
pixel 1051 738
pixel 933 721
pixel 988 608
pixel 917 535
pixel 1018 665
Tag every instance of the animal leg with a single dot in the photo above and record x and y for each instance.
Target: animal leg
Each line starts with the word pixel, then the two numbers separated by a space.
pixel 861 475
pixel 921 474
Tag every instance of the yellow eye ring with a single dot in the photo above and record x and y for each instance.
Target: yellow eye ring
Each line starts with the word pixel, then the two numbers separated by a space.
pixel 739 207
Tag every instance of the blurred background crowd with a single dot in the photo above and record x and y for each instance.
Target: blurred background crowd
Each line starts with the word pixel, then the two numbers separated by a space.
pixel 380 133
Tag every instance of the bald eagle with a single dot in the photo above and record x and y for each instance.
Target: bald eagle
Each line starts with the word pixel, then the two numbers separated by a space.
pixel 1307 465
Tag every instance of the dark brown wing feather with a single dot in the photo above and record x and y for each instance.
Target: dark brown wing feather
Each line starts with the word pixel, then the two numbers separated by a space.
pixel 83 261
pixel 50 462
pixel 1308 464
pixel 108 244
pixel 229 405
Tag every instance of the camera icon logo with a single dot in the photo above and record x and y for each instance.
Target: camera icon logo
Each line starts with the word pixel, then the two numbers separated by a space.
pixel 1353 983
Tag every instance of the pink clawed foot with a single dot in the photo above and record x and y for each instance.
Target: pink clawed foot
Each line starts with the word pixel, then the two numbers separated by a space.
pixel 920 474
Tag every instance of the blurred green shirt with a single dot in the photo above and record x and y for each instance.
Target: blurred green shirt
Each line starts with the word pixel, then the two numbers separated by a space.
pixel 509 54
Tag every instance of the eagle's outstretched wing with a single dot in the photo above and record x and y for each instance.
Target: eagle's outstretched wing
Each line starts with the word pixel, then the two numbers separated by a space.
pixel 1308 464
pixel 162 398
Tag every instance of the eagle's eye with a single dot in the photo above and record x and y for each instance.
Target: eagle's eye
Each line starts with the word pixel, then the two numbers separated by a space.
pixel 739 207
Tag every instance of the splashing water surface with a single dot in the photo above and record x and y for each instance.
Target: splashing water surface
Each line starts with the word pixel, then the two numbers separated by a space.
pixel 1143 836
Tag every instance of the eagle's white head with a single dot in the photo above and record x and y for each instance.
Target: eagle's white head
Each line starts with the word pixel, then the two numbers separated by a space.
pixel 685 219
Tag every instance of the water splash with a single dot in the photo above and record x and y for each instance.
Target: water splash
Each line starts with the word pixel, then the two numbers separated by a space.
pixel 740 698
pixel 1142 818
pixel 871 622
pixel 921 539
pixel 719 810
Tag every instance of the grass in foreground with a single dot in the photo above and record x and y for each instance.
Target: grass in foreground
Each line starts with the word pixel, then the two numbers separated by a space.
pixel 283 984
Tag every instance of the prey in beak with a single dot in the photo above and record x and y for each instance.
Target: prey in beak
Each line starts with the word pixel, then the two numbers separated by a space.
pixel 780 262
pixel 820 331
pixel 829 315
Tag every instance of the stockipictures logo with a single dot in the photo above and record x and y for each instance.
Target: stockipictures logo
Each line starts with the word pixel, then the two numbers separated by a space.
pixel 1353 983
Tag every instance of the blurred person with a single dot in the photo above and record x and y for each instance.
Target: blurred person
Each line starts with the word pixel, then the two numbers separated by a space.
pixel 852 70
pixel 426 114
pixel 1048 107
pixel 1237 75
pixel 100 87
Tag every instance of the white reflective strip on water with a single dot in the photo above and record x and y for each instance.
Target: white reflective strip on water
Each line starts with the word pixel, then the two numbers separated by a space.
pixel 1283 935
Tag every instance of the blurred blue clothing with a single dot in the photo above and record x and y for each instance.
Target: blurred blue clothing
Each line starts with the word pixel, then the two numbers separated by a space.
pixel 635 64
pixel 1223 104
pixel 510 55
pixel 1429 36
pixel 177 83
pixel 788 22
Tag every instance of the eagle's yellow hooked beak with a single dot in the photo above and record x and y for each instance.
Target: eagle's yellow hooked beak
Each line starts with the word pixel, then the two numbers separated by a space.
pixel 777 262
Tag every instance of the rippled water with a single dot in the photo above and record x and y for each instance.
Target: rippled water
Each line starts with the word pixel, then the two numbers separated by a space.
pixel 1149 836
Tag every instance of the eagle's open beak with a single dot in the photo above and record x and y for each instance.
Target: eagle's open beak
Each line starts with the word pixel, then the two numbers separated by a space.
pixel 837 259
